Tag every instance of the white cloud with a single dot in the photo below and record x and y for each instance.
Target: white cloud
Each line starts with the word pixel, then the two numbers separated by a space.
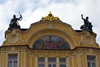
pixel 68 11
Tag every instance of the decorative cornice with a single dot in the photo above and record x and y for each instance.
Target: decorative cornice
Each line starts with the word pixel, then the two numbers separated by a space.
pixel 27 47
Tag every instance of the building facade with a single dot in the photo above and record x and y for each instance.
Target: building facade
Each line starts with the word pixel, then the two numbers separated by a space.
pixel 49 43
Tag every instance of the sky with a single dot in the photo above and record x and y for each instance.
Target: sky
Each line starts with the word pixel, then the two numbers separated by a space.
pixel 69 11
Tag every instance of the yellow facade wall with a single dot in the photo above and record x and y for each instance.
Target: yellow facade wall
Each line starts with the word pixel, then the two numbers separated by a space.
pixel 20 59
pixel 62 54
pixel 41 53
pixel 23 59
pixel 33 62
pixel 75 62
pixel 85 60
pixel 82 60
pixel 70 62
pixel 28 61
pixel 2 59
pixel 52 54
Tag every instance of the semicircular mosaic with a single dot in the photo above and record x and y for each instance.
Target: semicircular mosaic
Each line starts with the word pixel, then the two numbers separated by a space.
pixel 51 42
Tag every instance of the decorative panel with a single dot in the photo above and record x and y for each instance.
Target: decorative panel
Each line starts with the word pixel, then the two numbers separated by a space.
pixel 51 42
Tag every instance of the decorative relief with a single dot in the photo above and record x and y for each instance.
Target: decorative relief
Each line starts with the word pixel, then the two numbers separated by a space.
pixel 89 39
pixel 38 34
pixel 82 43
pixel 13 49
pixel 29 52
pixel 67 54
pixel 46 54
pixel 50 25
pixel 3 50
pixel 63 34
pixel 80 51
pixel 50 17
pixel 14 37
pixel 36 53
pixel 57 54
pixel 99 52
pixel 90 51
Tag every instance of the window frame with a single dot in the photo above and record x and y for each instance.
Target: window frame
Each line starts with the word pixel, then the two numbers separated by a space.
pixel 41 62
pixel 12 59
pixel 52 62
pixel 62 62
pixel 91 61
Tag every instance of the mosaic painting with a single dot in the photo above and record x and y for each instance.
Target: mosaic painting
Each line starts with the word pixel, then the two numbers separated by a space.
pixel 51 42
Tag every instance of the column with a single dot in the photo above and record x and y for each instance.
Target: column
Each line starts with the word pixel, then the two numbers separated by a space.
pixel 30 60
pixel 67 62
pixel 72 61
pixel 36 61
pixel 46 61
pixel 57 61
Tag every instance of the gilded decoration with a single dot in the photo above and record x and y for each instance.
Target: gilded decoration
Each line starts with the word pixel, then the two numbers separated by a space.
pixel 51 42
pixel 50 17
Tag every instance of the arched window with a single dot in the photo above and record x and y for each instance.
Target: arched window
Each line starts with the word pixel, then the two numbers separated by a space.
pixel 51 42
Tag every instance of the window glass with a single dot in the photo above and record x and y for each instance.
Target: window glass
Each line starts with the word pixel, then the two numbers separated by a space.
pixel 93 64
pixel 12 57
pixel 40 59
pixel 9 63
pixel 51 60
pixel 88 64
pixel 62 65
pixel 49 65
pixel 54 65
pixel 91 58
pixel 62 60
pixel 40 65
pixel 15 63
pixel 41 62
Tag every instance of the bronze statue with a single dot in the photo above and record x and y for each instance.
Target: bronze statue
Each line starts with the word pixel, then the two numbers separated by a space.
pixel 86 22
pixel 14 22
pixel 87 25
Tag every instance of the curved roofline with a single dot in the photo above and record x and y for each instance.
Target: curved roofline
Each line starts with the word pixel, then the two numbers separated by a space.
pixel 40 22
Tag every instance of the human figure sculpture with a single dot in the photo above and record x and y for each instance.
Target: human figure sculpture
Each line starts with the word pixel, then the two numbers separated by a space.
pixel 90 27
pixel 14 22
pixel 86 22
pixel 87 25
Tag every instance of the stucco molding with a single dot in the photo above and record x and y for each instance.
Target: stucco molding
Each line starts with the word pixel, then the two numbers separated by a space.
pixel 14 37
pixel 89 38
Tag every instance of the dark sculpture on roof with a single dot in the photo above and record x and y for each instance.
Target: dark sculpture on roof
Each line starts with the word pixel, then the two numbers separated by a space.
pixel 87 25
pixel 14 22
